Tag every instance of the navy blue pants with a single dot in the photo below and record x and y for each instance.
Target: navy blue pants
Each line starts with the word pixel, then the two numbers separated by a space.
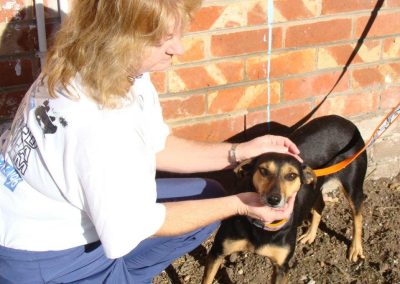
pixel 88 264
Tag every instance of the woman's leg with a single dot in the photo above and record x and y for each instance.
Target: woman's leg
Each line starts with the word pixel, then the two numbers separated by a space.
pixel 84 264
pixel 153 255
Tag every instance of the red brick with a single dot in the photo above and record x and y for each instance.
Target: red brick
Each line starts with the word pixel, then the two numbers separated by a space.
pixel 290 114
pixel 296 9
pixel 22 37
pixel 289 63
pixel 256 117
pixel 392 3
pixel 286 115
pixel 334 56
pixel 385 24
pixel 319 32
pixel 205 18
pixel 232 14
pixel 367 77
pixel 18 38
pixel 224 100
pixel 293 62
pixel 257 15
pixel 335 6
pixel 393 71
pixel 183 107
pixel 351 104
pixel 232 71
pixel 191 78
pixel 390 98
pixel 390 72
pixel 184 79
pixel 391 47
pixel 9 103
pixel 301 88
pixel 211 131
pixel 15 11
pixel 194 50
pixel 10 74
pixel 159 81
pixel 51 29
pixel 241 98
pixel 49 12
pixel 243 42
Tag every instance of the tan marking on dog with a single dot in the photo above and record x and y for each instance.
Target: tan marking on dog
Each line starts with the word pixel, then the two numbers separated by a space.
pixel 231 246
pixel 309 236
pixel 275 253
pixel 277 175
pixel 356 249
pixel 263 184
pixel 282 279
pixel 211 269
pixel 288 188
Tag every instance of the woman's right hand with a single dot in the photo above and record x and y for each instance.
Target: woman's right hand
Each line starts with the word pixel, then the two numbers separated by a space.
pixel 251 205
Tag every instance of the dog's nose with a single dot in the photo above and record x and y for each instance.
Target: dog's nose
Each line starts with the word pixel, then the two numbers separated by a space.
pixel 274 199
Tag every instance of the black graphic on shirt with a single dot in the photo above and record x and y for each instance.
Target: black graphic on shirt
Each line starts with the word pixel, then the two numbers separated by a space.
pixel 23 144
pixel 63 122
pixel 47 121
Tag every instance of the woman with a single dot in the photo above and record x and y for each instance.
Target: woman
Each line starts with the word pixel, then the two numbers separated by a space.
pixel 79 201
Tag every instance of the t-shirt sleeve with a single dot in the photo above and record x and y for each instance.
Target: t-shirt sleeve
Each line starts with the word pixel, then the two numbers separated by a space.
pixel 156 130
pixel 118 179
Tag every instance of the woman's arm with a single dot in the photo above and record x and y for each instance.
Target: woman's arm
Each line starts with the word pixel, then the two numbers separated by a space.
pixel 185 216
pixel 187 156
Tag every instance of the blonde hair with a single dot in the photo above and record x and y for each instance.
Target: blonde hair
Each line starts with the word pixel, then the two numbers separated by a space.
pixel 103 41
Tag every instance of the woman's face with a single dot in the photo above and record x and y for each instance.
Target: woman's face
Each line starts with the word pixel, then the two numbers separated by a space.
pixel 159 57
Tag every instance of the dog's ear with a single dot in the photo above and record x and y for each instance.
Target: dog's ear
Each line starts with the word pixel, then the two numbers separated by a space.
pixel 244 168
pixel 308 175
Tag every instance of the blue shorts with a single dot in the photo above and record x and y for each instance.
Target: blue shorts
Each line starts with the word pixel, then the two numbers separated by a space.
pixel 88 264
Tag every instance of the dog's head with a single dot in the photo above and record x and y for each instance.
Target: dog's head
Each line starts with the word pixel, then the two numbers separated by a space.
pixel 276 177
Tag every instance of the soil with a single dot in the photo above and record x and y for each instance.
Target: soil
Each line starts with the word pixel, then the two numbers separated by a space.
pixel 325 260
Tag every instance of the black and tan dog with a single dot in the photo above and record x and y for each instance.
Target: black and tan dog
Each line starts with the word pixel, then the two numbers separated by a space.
pixel 277 177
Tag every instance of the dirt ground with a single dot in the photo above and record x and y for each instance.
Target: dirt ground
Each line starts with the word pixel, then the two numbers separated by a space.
pixel 325 260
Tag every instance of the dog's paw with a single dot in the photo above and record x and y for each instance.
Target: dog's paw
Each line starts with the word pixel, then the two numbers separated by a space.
pixel 307 238
pixel 355 253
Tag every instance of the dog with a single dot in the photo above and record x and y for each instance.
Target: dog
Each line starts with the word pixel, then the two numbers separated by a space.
pixel 323 141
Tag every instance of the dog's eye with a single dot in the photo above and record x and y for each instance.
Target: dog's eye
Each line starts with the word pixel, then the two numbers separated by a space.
pixel 291 176
pixel 264 172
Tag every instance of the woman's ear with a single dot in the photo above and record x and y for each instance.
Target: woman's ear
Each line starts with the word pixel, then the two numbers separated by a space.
pixel 245 168
pixel 308 175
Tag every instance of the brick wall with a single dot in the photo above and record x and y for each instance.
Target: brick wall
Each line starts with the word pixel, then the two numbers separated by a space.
pixel 219 86
pixel 19 63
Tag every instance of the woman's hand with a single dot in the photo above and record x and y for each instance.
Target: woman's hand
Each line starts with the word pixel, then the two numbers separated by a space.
pixel 250 205
pixel 264 144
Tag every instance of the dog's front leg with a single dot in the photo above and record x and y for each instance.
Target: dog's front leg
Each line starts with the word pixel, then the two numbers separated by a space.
pixel 213 263
pixel 280 275
pixel 309 236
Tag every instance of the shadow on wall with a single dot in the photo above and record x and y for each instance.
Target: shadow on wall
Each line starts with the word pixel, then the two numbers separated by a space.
pixel 19 46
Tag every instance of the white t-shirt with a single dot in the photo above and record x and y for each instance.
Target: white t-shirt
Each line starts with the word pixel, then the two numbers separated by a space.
pixel 72 173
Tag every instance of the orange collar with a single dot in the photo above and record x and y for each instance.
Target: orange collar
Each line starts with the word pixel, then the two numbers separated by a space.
pixel 270 226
